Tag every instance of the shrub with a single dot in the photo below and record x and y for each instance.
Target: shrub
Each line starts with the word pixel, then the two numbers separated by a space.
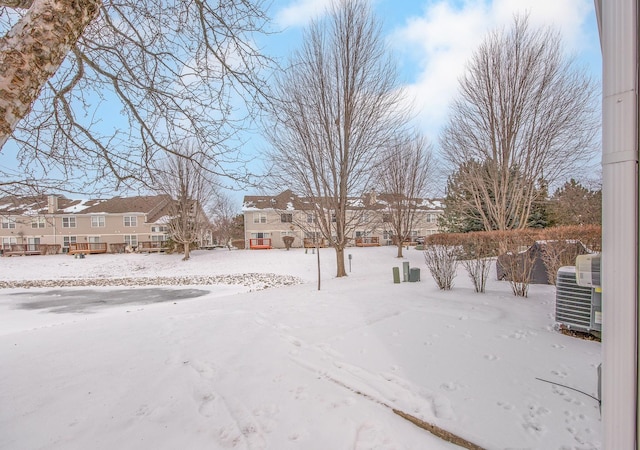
pixel 442 261
pixel 475 256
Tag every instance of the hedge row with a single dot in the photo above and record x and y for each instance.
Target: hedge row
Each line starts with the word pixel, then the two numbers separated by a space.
pixel 494 243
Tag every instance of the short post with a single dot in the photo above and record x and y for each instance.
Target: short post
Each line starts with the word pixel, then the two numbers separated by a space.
pixel 405 271
pixel 396 275
pixel 350 262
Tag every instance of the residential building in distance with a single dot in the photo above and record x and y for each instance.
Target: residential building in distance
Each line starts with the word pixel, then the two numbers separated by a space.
pixel 50 224
pixel 269 219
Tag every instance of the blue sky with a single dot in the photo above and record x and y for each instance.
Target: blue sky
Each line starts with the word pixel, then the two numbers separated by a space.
pixel 433 39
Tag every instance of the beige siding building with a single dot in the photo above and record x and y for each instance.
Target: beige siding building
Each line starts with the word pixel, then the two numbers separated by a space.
pixel 58 221
pixel 268 219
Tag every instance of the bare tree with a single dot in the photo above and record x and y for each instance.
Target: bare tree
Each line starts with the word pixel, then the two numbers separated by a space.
pixel 181 176
pixel 524 113
pixel 223 216
pixel 99 89
pixel 339 104
pixel 403 178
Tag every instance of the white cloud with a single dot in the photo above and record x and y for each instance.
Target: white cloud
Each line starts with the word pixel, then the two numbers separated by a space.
pixel 299 13
pixel 443 38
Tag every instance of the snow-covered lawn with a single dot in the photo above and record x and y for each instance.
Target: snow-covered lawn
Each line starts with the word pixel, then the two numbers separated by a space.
pixel 287 367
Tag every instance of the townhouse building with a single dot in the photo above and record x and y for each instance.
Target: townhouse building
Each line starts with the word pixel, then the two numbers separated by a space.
pixel 59 222
pixel 269 219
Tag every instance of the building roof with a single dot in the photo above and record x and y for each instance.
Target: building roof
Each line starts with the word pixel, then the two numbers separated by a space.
pixel 33 205
pixel 155 206
pixel 288 201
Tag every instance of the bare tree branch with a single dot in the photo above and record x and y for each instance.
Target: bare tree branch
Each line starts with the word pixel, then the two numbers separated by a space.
pixel 524 113
pixel 142 77
pixel 403 179
pixel 182 178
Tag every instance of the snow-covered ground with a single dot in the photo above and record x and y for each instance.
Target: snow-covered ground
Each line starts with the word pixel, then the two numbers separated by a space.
pixel 287 367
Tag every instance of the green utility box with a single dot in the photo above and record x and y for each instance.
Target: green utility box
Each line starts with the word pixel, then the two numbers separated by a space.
pixel 414 275
pixel 396 274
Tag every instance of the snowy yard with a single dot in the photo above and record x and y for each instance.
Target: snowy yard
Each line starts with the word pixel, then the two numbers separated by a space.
pixel 286 367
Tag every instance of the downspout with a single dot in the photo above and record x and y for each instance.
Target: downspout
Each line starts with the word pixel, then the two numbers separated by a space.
pixel 618 24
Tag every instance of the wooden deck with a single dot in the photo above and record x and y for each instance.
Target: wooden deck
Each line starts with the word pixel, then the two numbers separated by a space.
pixel 20 249
pixel 310 243
pixel 151 246
pixel 87 248
pixel 373 241
pixel 50 249
pixel 260 244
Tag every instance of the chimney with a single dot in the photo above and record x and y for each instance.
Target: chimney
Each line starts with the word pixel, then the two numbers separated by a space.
pixel 52 204
pixel 372 197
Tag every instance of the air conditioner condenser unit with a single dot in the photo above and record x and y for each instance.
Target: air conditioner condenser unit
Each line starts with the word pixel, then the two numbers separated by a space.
pixel 577 307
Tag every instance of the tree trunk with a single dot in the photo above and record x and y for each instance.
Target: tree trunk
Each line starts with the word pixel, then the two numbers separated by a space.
pixel 341 270
pixel 187 251
pixel 33 50
pixel 399 248
pixel 318 259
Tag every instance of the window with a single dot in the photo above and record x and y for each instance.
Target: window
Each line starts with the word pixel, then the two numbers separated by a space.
pixel 432 218
pixel 33 244
pixel 131 240
pixel 286 218
pixel 159 238
pixel 287 233
pixel 386 218
pixel 8 222
pixel 94 239
pixel 259 218
pixel 38 222
pixel 333 217
pixel 159 228
pixel 387 235
pixel 311 218
pixel 66 240
pixel 130 221
pixel 362 234
pixel 7 241
pixel 260 235
pixel 68 222
pixel 97 221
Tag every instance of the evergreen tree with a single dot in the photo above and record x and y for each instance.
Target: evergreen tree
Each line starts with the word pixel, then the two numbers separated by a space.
pixel 465 212
pixel 541 216
pixel 574 204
